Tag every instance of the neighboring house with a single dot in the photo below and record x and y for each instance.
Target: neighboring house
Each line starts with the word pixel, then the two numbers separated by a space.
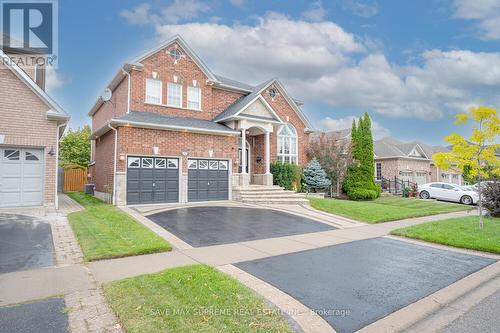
pixel 173 131
pixel 410 162
pixel 31 124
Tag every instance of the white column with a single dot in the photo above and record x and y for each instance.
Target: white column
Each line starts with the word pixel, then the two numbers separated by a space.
pixel 243 150
pixel 268 154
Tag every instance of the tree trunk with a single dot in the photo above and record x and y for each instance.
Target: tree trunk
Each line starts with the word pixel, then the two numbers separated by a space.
pixel 480 190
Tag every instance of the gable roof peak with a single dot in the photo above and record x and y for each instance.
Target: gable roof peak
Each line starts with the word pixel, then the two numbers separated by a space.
pixel 177 38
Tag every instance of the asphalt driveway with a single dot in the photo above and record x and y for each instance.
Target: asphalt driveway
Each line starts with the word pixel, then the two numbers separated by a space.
pixel 25 243
pixel 41 316
pixel 355 284
pixel 205 226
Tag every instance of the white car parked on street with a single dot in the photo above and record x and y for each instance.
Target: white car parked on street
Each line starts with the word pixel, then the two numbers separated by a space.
pixel 448 192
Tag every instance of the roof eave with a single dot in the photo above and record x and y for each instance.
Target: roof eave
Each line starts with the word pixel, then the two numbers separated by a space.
pixel 125 123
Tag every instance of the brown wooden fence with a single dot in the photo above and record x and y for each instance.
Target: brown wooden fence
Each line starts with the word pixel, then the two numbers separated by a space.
pixel 75 177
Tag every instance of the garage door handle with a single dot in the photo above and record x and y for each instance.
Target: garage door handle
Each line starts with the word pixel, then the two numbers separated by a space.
pixel 154 184
pixel 208 183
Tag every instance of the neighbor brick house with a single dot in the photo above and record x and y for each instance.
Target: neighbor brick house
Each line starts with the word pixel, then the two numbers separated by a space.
pixel 410 162
pixel 31 124
pixel 170 130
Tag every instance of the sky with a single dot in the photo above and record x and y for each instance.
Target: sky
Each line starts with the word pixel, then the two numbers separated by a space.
pixel 412 65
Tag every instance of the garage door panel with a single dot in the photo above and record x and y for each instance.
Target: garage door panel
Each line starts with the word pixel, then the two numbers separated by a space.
pixel 11 184
pixel 10 169
pixel 152 180
pixel 206 182
pixel 32 170
pixel 21 176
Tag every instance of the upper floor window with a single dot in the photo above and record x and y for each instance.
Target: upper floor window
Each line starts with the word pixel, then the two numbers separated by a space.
pixel 287 144
pixel 174 94
pixel 194 98
pixel 153 91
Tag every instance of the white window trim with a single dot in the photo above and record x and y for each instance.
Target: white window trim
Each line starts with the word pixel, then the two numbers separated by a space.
pixel 161 91
pixel 168 99
pixel 281 156
pixel 199 99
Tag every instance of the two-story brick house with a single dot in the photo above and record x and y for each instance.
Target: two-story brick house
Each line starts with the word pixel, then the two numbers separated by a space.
pixel 173 131
pixel 31 123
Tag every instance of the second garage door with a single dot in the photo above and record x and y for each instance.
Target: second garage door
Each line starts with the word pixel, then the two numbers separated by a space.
pixel 152 180
pixel 208 180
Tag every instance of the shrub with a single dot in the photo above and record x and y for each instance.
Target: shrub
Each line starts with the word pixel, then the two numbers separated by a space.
pixel 491 198
pixel 288 176
pixel 315 177
pixel 359 193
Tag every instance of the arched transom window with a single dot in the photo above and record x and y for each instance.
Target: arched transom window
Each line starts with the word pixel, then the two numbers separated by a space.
pixel 287 144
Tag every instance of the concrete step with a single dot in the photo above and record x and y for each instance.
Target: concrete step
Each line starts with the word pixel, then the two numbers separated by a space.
pixel 266 192
pixel 276 195
pixel 277 201
pixel 258 188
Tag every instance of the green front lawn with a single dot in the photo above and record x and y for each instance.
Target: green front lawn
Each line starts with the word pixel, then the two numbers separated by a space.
pixel 461 232
pixel 190 299
pixel 104 231
pixel 385 208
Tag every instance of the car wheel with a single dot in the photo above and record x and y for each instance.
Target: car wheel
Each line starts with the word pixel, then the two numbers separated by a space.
pixel 424 195
pixel 466 200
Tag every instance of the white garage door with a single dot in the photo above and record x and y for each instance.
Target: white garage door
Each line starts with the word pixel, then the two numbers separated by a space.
pixel 21 177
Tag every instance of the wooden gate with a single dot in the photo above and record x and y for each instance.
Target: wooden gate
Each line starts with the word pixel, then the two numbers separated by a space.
pixel 75 177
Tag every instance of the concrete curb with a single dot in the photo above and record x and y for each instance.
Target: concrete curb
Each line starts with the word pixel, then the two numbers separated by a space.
pixel 405 318
pixel 308 320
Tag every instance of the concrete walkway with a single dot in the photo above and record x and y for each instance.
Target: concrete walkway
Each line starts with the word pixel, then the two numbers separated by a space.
pixel 81 282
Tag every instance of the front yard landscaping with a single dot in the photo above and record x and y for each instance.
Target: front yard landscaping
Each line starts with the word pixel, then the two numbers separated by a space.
pixel 195 298
pixel 104 231
pixel 463 232
pixel 384 209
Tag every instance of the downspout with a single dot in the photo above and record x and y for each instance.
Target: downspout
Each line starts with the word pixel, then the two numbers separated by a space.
pixel 57 164
pixel 114 163
pixel 128 90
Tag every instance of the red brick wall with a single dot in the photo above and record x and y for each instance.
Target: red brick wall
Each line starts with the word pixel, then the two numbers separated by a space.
pixel 113 109
pixel 284 110
pixel 23 121
pixel 141 142
pixel 102 170
pixel 213 101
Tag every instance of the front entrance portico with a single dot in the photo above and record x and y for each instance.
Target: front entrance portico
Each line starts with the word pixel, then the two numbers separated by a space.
pixel 255 166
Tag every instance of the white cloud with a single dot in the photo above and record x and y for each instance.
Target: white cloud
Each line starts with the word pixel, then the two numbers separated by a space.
pixel 359 8
pixel 237 3
pixel 321 62
pixel 316 13
pixel 139 15
pixel 329 124
pixel 53 79
pixel 485 12
pixel 177 11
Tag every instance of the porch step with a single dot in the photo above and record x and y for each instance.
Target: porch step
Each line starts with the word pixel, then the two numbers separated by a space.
pixel 259 188
pixel 277 201
pixel 251 193
pixel 260 194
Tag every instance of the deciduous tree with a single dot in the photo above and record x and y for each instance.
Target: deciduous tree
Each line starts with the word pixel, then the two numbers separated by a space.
pixel 476 154
pixel 75 147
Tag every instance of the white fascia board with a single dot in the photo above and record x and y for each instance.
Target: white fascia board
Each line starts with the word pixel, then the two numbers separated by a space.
pixel 14 68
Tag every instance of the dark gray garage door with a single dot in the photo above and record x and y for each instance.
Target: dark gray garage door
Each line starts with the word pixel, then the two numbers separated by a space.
pixel 208 180
pixel 152 180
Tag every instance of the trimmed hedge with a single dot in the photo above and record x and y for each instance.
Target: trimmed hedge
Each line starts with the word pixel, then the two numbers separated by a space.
pixel 286 175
